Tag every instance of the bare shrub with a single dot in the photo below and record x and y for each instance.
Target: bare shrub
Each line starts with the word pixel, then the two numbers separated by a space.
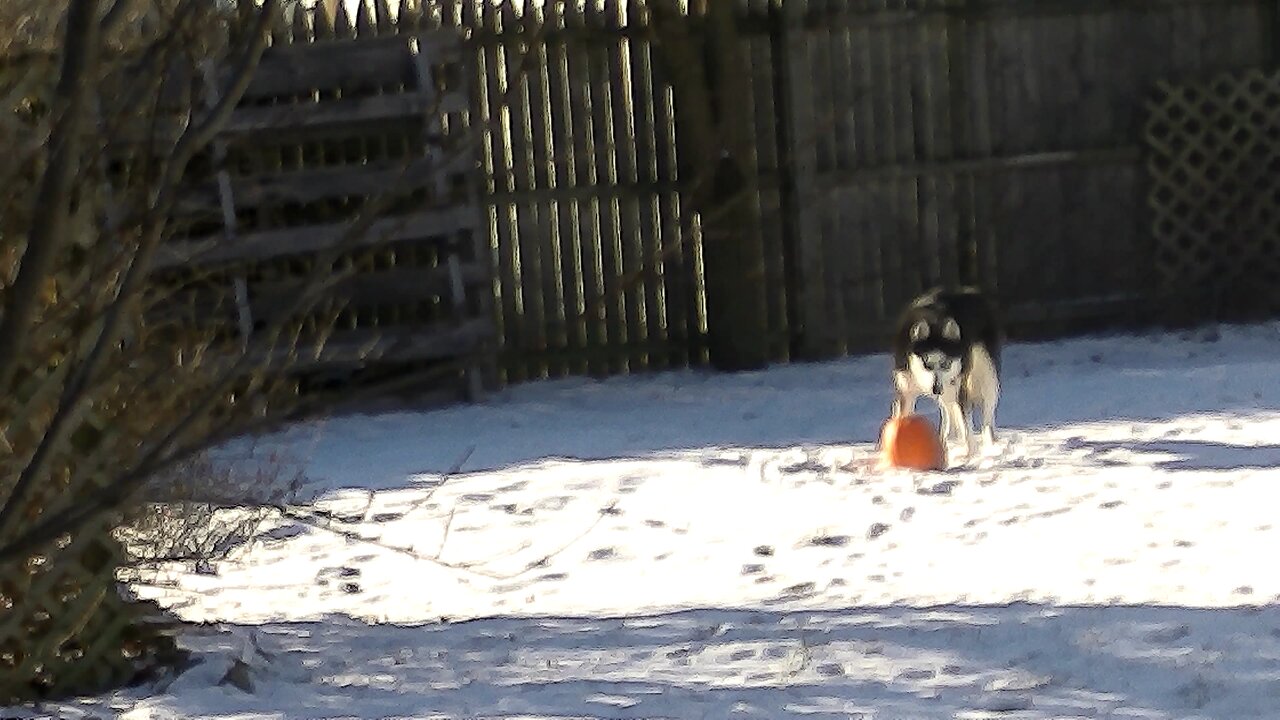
pixel 202 509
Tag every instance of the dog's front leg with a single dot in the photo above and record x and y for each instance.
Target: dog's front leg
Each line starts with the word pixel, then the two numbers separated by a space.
pixel 954 425
pixel 905 395
pixel 946 421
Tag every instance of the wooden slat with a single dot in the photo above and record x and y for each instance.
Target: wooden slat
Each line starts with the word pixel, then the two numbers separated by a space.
pixel 567 196
pixel 266 244
pixel 856 266
pixel 547 240
pixel 343 26
pixel 609 242
pixel 397 285
pixel 584 152
pixel 627 244
pixel 279 32
pixel 344 113
pixel 529 220
pixel 677 267
pixel 497 167
pixel 648 348
pixel 271 299
pixel 365 27
pixel 827 127
pixel 329 64
pixel 805 232
pixel 364 347
pixel 382 15
pixel 314 184
pixel 648 207
pixel 765 140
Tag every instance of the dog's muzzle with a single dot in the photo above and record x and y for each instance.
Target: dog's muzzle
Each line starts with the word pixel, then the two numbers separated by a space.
pixel 937 386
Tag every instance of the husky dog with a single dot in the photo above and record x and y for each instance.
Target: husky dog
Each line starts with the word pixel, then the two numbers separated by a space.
pixel 947 346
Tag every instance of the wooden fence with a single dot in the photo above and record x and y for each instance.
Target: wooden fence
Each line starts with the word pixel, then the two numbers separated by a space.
pixel 982 141
pixel 898 144
pixel 1213 155
pixel 579 173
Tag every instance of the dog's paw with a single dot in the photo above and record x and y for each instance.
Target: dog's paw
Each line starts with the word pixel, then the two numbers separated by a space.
pixel 994 452
pixel 958 455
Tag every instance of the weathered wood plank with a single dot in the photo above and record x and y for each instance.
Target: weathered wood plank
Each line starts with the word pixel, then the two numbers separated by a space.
pixel 650 261
pixel 498 166
pixel 828 128
pixel 517 130
pixel 625 162
pixel 267 244
pixel 857 147
pixel 677 277
pixel 550 257
pixel 677 265
pixel 395 285
pixel 607 163
pixel 271 299
pixel 316 183
pixel 816 331
pixel 589 224
pixel 327 64
pixel 563 195
pixel 368 346
pixel 341 113
pixel 765 134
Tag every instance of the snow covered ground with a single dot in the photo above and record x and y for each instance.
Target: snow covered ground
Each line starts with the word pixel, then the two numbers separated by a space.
pixel 691 545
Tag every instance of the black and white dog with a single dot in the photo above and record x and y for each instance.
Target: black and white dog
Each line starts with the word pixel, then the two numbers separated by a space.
pixel 947 346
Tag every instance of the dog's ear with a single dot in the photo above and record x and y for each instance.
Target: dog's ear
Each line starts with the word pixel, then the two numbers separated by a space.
pixel 951 330
pixel 919 331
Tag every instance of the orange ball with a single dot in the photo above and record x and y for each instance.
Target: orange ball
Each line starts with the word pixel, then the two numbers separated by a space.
pixel 911 442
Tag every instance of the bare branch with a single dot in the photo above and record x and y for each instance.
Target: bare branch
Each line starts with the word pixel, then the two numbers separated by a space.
pixel 53 198
pixel 74 396
pixel 200 135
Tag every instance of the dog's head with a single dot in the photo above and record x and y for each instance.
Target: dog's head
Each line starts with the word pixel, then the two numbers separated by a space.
pixel 934 359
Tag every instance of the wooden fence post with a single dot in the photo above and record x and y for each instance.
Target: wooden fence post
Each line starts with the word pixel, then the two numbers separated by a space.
pixel 227 204
pixel 814 337
pixel 704 56
pixel 457 288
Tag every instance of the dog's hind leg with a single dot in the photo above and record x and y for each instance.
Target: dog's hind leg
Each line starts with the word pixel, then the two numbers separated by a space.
pixel 965 435
pixel 989 423
pixel 983 390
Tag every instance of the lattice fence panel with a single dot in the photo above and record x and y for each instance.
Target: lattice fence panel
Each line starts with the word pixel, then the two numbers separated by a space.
pixel 65 628
pixel 1213 160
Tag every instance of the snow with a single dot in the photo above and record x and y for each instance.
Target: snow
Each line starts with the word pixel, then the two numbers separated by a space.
pixel 692 545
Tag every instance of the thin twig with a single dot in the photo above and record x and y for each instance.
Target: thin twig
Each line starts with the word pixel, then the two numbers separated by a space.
pixel 313 521
pixel 95 501
pixel 444 536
